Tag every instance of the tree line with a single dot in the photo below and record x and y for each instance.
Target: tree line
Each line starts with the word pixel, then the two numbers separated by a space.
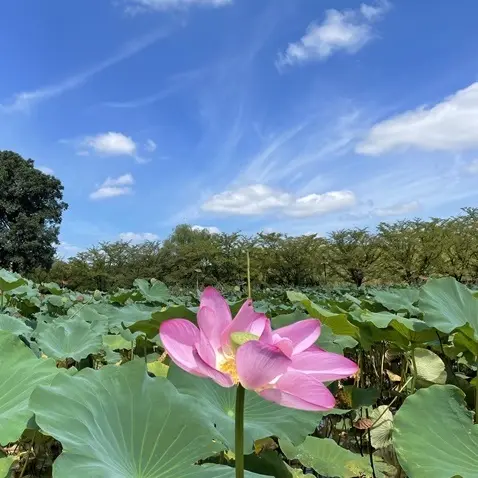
pixel 405 251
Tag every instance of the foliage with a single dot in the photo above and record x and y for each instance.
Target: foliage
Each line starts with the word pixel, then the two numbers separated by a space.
pixel 404 251
pixel 87 390
pixel 31 207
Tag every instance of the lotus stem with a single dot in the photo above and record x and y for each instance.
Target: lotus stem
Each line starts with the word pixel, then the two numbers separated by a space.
pixel 249 291
pixel 239 436
pixel 476 404
pixel 415 372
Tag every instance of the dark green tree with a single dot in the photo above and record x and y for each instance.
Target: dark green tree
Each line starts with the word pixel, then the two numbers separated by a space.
pixel 31 207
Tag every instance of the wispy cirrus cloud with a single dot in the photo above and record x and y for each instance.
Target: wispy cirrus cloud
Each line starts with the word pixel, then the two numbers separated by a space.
pixel 138 6
pixel 138 237
pixel 114 187
pixel 23 101
pixel 46 170
pixel 399 209
pixel 472 167
pixel 347 30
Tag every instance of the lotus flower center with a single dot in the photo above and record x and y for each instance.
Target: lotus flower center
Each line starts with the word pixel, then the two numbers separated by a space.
pixel 229 367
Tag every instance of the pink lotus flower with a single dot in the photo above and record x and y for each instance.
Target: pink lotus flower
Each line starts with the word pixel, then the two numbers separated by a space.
pixel 282 366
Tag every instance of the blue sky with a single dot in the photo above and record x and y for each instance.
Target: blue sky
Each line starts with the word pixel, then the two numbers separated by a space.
pixel 293 116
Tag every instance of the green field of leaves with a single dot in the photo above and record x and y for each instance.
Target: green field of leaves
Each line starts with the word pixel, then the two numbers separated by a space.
pixel 87 390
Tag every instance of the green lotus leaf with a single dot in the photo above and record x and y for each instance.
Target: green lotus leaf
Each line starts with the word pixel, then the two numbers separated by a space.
pixel 156 292
pixel 57 301
pixel 327 458
pixel 447 305
pixel 158 368
pixel 6 463
pixel 121 296
pixel 10 280
pixel 119 422
pixel 14 325
pixel 414 330
pixel 434 435
pixel 361 397
pixel 430 367
pixel 20 372
pixel 333 342
pixel 338 322
pixel 381 432
pixel 116 342
pixel 120 317
pixel 53 288
pixel 150 326
pixel 261 418
pixel 88 313
pixel 267 463
pixel 72 338
pixel 298 473
pixel 398 299
pixel 464 339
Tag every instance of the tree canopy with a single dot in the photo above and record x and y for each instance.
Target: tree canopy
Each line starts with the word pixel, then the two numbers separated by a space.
pixel 31 207
pixel 406 251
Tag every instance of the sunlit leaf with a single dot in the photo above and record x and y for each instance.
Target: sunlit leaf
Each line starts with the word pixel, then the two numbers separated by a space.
pixel 434 435
pixel 20 372
pixel 398 299
pixel 430 367
pixel 262 418
pixel 327 458
pixel 119 422
pixel 156 292
pixel 447 305
pixel 10 280
pixel 14 325
pixel 5 464
pixel 72 338
pixel 116 342
pixel 381 432
pixel 151 325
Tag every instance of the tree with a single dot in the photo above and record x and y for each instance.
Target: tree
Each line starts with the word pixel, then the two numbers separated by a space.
pixel 353 254
pixel 31 206
pixel 460 248
pixel 411 248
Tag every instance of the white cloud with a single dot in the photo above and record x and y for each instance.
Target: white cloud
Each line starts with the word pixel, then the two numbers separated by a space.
pixel 451 125
pixel 137 237
pixel 45 169
pixel 111 144
pixel 260 199
pixel 374 12
pixel 25 100
pixel 150 146
pixel 114 187
pixel 347 30
pixel 144 5
pixel 249 200
pixel 397 209
pixel 66 250
pixel 210 229
pixel 316 204
pixel 472 167
pixel 125 180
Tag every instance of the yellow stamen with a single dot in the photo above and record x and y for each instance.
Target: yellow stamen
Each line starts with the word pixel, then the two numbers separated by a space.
pixel 229 367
